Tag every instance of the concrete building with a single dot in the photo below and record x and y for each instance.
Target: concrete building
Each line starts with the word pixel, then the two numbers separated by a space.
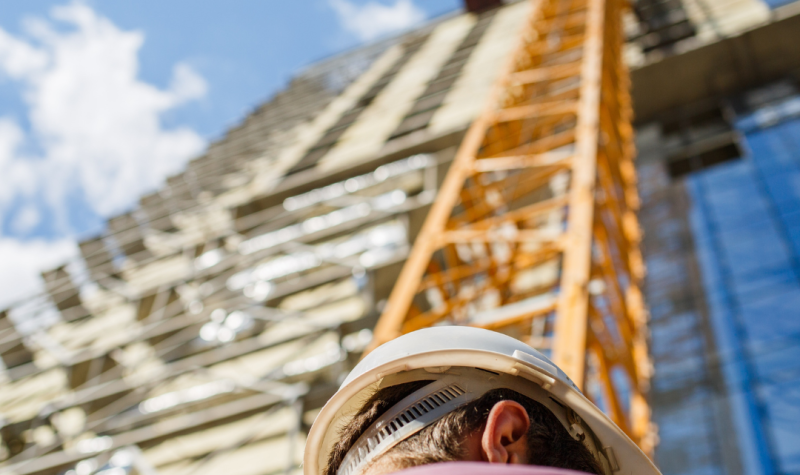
pixel 204 329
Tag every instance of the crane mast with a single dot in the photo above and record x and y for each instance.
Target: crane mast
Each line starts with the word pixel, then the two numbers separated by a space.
pixel 534 230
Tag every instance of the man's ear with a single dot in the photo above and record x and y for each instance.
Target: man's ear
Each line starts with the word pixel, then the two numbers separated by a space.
pixel 504 437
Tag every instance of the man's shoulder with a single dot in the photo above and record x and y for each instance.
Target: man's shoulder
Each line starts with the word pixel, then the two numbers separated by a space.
pixel 481 468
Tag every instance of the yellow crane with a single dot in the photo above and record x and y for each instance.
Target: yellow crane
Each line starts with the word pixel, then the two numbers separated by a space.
pixel 534 230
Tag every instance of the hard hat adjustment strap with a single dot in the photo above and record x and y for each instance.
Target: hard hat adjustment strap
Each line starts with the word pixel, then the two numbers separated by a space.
pixel 412 414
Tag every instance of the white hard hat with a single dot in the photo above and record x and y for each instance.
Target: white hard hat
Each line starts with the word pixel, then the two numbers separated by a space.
pixel 464 363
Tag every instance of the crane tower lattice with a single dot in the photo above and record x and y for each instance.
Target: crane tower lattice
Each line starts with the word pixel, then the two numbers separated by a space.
pixel 534 231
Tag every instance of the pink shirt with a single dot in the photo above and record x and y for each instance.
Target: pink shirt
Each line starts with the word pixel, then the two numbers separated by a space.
pixel 482 468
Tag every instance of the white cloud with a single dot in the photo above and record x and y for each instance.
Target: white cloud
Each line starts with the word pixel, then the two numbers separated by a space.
pixel 374 20
pixel 96 123
pixel 25 220
pixel 93 131
pixel 18 58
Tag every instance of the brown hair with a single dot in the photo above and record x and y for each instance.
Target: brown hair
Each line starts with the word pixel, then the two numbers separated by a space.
pixel 549 444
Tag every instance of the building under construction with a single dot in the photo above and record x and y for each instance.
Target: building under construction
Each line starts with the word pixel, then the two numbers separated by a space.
pixel 203 330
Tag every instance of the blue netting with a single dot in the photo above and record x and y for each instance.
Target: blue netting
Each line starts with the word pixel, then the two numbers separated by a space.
pixel 746 224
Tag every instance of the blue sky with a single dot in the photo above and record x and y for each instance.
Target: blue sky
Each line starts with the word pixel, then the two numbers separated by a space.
pixel 101 100
pixel 245 49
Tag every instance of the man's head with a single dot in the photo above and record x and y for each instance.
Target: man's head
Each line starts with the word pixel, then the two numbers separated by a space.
pixel 460 393
pixel 502 426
